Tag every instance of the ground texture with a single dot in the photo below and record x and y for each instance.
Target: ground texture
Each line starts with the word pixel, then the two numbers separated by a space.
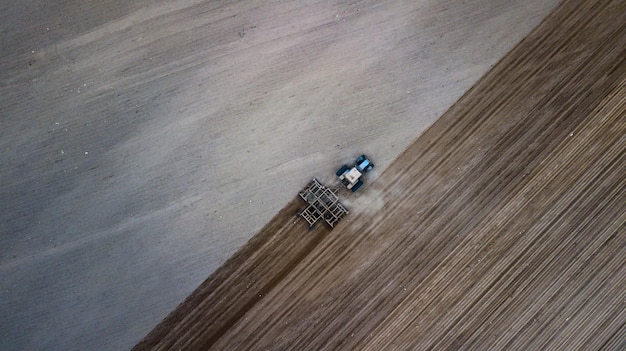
pixel 503 227
pixel 143 142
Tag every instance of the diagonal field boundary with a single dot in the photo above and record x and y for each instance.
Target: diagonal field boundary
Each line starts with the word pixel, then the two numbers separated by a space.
pixel 503 225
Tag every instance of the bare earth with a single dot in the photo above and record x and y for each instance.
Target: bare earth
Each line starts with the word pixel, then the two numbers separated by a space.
pixel 503 227
pixel 142 143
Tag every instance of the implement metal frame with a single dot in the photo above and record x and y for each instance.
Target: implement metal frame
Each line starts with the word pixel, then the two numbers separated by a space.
pixel 323 203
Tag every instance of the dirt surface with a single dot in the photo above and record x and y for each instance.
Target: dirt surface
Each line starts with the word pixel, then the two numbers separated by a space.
pixel 143 142
pixel 503 227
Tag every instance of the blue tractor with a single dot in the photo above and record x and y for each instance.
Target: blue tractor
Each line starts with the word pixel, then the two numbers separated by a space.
pixel 351 176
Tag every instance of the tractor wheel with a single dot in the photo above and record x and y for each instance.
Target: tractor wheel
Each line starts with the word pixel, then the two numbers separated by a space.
pixel 341 170
pixel 356 186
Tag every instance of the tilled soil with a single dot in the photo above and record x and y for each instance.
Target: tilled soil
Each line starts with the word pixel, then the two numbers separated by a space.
pixel 503 227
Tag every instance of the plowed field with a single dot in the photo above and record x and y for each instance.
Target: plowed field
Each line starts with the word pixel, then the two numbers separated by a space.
pixel 503 227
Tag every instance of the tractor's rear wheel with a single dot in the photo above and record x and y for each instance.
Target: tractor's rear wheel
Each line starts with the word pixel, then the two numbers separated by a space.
pixel 341 170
